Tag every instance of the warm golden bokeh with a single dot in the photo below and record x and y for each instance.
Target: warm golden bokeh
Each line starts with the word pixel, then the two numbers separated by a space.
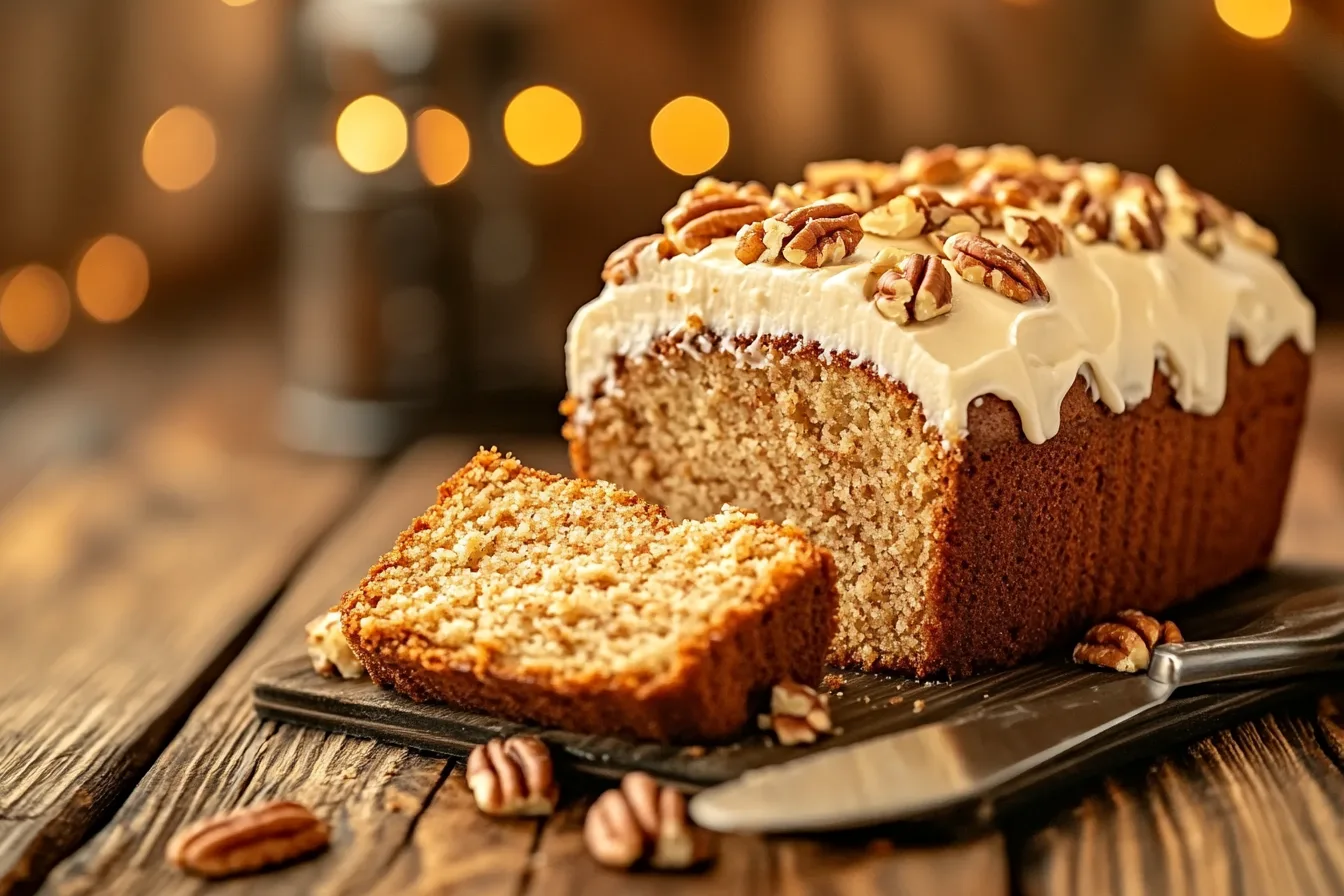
pixel 371 134
pixel 34 307
pixel 442 145
pixel 238 2
pixel 542 125
pixel 179 149
pixel 689 135
pixel 1255 18
pixel 112 278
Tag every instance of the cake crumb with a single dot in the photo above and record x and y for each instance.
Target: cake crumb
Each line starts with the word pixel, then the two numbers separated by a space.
pixel 694 752
pixel 897 699
pixel 918 706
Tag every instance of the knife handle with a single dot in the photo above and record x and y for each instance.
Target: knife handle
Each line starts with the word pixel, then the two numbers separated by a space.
pixel 1302 634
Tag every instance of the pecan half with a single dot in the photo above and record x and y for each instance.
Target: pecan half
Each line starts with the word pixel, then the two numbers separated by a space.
pixel 1084 213
pixel 713 209
pixel 248 840
pixel 1189 214
pixel 931 166
pixel 1135 221
pixel 1125 644
pixel 328 650
pixel 1245 228
pixel 811 236
pixel 1039 237
pixel 1001 269
pixel 623 264
pixel 513 777
pixel 798 714
pixel 641 820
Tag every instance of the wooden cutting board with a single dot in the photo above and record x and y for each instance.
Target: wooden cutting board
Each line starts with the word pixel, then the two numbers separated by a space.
pixel 863 705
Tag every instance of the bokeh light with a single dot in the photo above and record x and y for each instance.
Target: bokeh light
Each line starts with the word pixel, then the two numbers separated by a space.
pixel 689 135
pixel 1255 18
pixel 237 2
pixel 371 134
pixel 442 145
pixel 179 149
pixel 34 307
pixel 112 278
pixel 542 125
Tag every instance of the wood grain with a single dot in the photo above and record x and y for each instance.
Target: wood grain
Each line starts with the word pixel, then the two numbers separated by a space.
pixel 130 577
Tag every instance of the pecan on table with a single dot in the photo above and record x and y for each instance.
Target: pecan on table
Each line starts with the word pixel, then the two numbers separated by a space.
pixel 248 840
pixel 623 264
pixel 810 236
pixel 985 262
pixel 931 166
pixel 713 209
pixel 513 777
pixel 908 286
pixel 798 714
pixel 641 820
pixel 1125 643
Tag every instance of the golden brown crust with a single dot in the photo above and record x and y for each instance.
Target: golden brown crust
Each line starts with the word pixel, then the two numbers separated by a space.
pixel 1142 509
pixel 782 631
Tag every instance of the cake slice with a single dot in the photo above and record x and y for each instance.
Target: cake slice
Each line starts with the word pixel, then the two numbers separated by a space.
pixel 577 604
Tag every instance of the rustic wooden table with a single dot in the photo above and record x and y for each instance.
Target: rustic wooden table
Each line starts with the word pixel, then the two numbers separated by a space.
pixel 157 547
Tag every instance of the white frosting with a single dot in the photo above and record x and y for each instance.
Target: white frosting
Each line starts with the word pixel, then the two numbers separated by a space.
pixel 1112 316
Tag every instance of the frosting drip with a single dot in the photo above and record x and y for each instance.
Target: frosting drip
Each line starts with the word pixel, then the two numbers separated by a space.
pixel 1112 316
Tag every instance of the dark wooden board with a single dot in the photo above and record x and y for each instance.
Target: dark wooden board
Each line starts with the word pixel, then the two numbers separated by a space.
pixel 863 706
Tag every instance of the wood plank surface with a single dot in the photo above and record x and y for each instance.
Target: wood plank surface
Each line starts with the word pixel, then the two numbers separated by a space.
pixel 130 574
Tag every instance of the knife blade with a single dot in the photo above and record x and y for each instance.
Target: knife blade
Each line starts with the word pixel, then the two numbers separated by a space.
pixel 924 769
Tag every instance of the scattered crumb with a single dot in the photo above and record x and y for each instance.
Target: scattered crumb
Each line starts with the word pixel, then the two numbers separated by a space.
pixel 897 699
pixel 839 694
pixel 918 706
pixel 694 752
pixel 837 731
pixel 867 699
pixel 350 772
pixel 832 680
pixel 986 697
pixel 400 801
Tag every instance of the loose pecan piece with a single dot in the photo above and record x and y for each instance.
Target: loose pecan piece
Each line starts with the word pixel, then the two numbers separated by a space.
pixel 1135 221
pixel 931 166
pixel 713 209
pixel 642 820
pixel 798 714
pixel 1039 237
pixel 1102 178
pixel 811 236
pixel 248 840
pixel 1001 269
pixel 513 777
pixel 1125 644
pixel 623 264
pixel 1189 215
pixel 1245 228
pixel 1084 213
pixel 328 650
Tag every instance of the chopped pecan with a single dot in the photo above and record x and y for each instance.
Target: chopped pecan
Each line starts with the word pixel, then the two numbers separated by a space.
pixel 1086 214
pixel 1057 170
pixel 869 182
pixel 787 197
pixel 713 209
pixel 798 714
pixel 248 840
pixel 1039 237
pixel 513 777
pixel 931 166
pixel 811 236
pixel 328 650
pixel 984 208
pixel 971 158
pixel 642 820
pixel 623 264
pixel 1189 212
pixel 901 218
pixel 907 287
pixel 1135 221
pixel 1245 228
pixel 1010 159
pixel 1102 178
pixel 1134 181
pixel 1001 269
pixel 1125 644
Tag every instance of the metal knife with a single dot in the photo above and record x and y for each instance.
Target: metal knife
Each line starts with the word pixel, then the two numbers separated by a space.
pixel 938 766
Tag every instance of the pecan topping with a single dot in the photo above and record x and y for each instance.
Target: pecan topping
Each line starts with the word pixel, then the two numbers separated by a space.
pixel 1125 644
pixel 1189 214
pixel 1061 172
pixel 907 287
pixel 713 209
pixel 797 712
pixel 1010 159
pixel 811 236
pixel 642 820
pixel 1245 228
pixel 1086 214
pixel 1039 237
pixel 513 777
pixel 1102 178
pixel 328 650
pixel 787 197
pixel 1135 222
pixel 1001 269
pixel 867 183
pixel 931 166
pixel 623 264
pixel 901 218
pixel 247 840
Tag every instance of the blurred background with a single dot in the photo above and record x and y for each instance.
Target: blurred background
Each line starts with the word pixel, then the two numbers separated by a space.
pixel 408 199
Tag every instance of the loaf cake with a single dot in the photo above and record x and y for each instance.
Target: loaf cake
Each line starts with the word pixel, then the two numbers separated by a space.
pixel 1012 394
pixel 576 604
